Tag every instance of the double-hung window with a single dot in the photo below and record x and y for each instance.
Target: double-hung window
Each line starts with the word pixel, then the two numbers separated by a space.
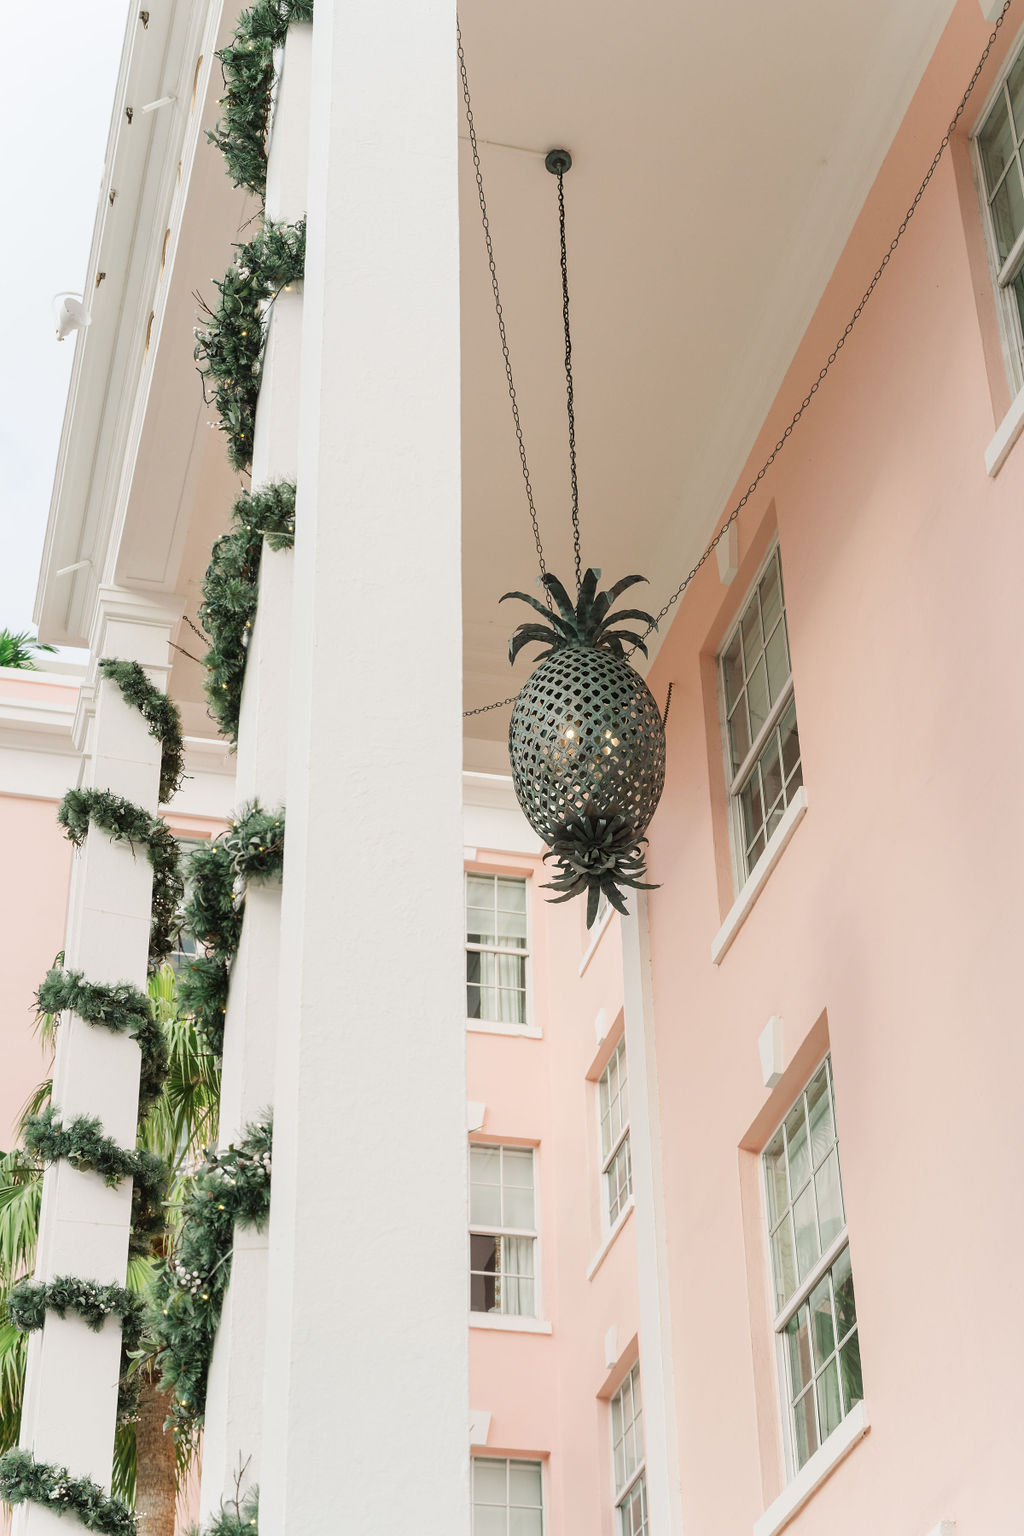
pixel 613 1104
pixel 1001 173
pixel 628 1457
pixel 508 1497
pixel 185 947
pixel 503 1231
pixel 815 1312
pixel 762 747
pixel 496 950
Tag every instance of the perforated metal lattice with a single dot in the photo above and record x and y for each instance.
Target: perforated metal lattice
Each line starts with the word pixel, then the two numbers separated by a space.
pixel 586 739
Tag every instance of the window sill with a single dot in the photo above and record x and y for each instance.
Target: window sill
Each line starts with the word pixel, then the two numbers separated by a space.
pixel 613 1232
pixel 1006 434
pixel 814 1472
pixel 755 882
pixel 499 1323
pixel 595 941
pixel 483 1027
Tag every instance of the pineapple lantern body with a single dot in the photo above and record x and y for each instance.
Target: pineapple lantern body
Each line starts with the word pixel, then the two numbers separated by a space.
pixel 587 742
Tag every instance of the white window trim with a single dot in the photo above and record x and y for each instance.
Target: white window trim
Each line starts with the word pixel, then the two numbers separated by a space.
pixel 484 1027
pixel 608 1225
pixel 755 882
pixel 502 1322
pixel 498 1026
pixel 733 781
pixel 1011 333
pixel 540 1461
pixel 814 1472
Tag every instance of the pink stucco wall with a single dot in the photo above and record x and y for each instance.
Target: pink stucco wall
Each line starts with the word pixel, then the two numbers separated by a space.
pixel 543 1389
pixel 889 932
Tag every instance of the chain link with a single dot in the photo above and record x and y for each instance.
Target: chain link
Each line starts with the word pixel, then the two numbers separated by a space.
pixel 841 343
pixel 474 146
pixel 570 407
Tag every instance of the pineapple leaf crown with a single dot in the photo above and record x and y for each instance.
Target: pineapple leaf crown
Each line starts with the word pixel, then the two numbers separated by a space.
pixel 587 622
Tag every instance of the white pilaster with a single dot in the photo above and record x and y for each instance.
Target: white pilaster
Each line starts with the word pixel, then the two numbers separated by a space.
pixel 71 1385
pixel 664 1492
pixel 368 1233
pixel 233 1429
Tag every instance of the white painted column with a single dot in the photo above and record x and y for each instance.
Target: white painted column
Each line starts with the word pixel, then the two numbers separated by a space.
pixel 657 1368
pixel 71 1385
pixel 233 1429
pixel 366 1399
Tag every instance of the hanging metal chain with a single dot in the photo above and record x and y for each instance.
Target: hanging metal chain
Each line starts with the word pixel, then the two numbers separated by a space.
pixel 568 385
pixel 498 310
pixel 841 343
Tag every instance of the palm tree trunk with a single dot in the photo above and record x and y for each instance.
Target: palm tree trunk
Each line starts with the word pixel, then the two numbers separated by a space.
pixel 155 1482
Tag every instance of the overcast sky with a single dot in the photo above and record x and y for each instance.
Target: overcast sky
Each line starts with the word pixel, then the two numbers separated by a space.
pixel 61 69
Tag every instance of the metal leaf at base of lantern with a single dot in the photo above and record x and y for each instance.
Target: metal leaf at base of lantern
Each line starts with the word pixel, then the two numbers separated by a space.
pixel 587 743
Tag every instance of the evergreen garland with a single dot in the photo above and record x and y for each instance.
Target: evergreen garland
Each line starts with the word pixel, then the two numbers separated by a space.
pixel 160 713
pixel 251 849
pixel 248 67
pixel 229 343
pixel 122 1009
pixel 230 590
pixel 29 1301
pixel 188 1291
pixel 128 823
pixel 241 1517
pixel 84 1147
pixel 23 1478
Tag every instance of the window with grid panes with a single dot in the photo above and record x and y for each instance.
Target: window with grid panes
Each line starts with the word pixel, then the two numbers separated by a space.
pixel 613 1105
pixel 185 947
pixel 496 950
pixel 508 1497
pixel 815 1311
pixel 1001 173
pixel 502 1231
pixel 762 745
pixel 628 1457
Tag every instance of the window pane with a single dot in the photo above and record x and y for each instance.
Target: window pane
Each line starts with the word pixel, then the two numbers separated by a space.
pixel 753 640
pixel 849 1365
pixel 771 772
pixel 822 1332
pixel 512 895
pixel 524 1483
pixel 480 890
pixel 753 808
pixel 775 1175
pixel 798 1345
pixel 830 1412
pixel 739 734
pixel 819 1113
pixel 757 697
pixel 517 1167
pixel 790 740
pixel 480 926
pixel 842 1282
pixel 996 139
pixel 489 1521
pixel 489 1476
pixel 807 1251
pixel 483 1262
pixel 518 1208
pixel 831 1218
pixel 777 657
pixel 1015 87
pixel 805 1428
pixel 525 1522
pixel 784 1262
pixel 732 673
pixel 796 1145
pixel 1008 211
pixel 771 595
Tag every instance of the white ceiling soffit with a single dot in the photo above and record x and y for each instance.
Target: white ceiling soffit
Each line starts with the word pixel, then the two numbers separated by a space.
pixel 721 156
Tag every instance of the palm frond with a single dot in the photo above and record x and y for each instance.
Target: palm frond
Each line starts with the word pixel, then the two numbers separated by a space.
pixel 21 1187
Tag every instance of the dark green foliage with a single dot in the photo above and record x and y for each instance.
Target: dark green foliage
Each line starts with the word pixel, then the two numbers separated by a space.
pixel 188 1293
pixel 229 345
pixel 248 67
pixel 30 1300
pixel 160 713
pixel 23 1478
pixel 230 591
pixel 121 1008
pixel 128 823
pixel 587 622
pixel 238 1518
pixel 597 854
pixel 20 650
pixel 83 1145
pixel 252 849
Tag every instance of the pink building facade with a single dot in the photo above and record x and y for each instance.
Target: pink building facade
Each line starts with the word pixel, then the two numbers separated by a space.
pixel 741 1168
